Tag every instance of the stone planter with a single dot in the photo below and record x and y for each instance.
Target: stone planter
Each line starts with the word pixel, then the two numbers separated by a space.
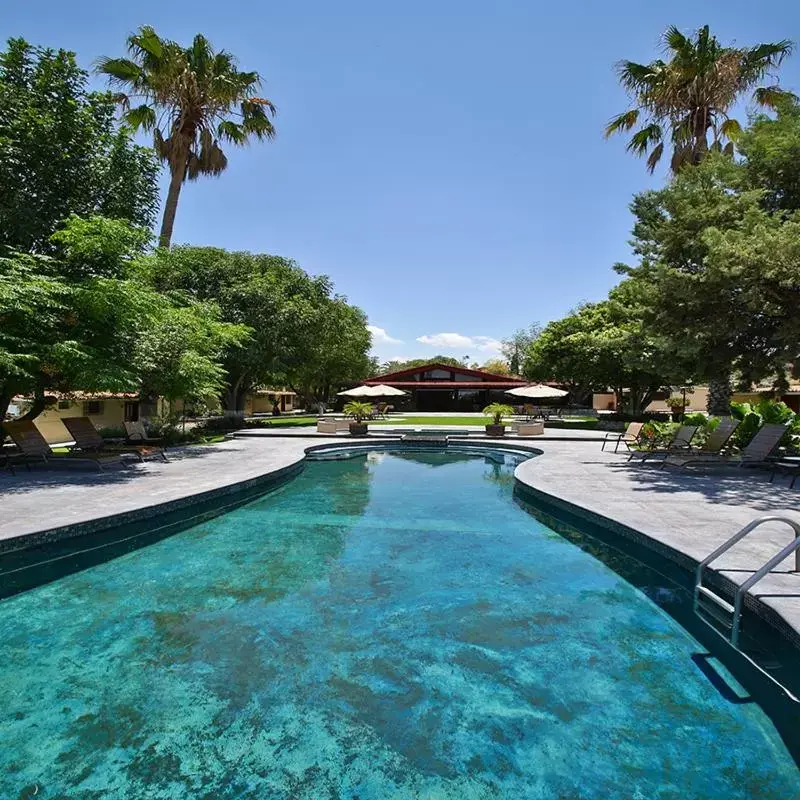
pixel 358 429
pixel 495 431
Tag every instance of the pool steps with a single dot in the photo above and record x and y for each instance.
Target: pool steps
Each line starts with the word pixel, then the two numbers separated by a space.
pixel 726 619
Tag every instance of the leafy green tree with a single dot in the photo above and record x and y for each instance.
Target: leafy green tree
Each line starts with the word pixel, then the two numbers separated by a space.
pixel 61 152
pixel 597 346
pixel 720 274
pixel 398 366
pixel 179 355
pixel 497 366
pixel 683 101
pixel 771 150
pixel 515 347
pixel 193 99
pixel 302 335
pixel 82 320
pixel 335 354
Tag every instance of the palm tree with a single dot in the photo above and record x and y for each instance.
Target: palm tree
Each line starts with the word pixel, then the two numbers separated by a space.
pixel 688 97
pixel 192 99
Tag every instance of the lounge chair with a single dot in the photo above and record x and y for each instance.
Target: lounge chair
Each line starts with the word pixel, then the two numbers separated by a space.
pixel 136 432
pixel 714 445
pixel 88 440
pixel 757 453
pixel 34 447
pixel 682 440
pixel 631 435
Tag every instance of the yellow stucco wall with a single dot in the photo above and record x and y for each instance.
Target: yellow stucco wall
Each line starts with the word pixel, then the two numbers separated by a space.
pixel 51 427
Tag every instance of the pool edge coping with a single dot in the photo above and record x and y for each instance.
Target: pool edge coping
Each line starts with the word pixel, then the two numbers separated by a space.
pixel 678 557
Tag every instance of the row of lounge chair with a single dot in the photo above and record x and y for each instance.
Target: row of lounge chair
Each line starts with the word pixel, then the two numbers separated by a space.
pixel 680 452
pixel 90 447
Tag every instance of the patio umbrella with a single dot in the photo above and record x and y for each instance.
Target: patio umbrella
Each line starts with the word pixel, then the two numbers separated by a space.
pixel 372 391
pixel 537 392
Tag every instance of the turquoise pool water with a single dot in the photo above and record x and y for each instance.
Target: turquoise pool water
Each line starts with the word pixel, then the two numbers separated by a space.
pixel 386 627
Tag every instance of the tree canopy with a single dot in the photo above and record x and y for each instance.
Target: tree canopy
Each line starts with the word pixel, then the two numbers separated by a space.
pixel 597 346
pixel 61 152
pixel 398 366
pixel 82 319
pixel 302 336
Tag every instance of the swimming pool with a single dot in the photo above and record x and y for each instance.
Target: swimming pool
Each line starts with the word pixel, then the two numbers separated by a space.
pixel 392 625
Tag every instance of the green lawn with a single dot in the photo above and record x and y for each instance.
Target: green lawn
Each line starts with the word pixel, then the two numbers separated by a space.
pixel 281 422
pixel 476 420
pixel 422 420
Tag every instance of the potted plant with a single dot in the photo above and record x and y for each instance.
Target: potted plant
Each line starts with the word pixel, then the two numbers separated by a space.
pixel 497 411
pixel 677 406
pixel 359 412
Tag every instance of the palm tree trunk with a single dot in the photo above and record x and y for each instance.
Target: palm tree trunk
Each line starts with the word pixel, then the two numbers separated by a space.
pixel 178 171
pixel 719 396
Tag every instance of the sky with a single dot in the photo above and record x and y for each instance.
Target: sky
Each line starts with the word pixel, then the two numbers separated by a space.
pixel 442 161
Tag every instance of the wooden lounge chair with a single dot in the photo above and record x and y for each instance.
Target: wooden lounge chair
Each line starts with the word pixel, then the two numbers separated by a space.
pixel 88 440
pixel 758 452
pixel 682 440
pixel 632 435
pixel 34 447
pixel 714 445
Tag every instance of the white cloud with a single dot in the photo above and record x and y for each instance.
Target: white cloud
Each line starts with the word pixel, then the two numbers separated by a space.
pixel 379 336
pixel 458 341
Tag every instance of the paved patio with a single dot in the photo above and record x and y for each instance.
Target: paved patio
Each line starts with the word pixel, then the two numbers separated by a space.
pixel 691 511
pixel 46 498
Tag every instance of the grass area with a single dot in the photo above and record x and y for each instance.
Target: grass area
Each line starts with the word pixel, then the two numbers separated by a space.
pixel 422 420
pixel 281 422
pixel 476 420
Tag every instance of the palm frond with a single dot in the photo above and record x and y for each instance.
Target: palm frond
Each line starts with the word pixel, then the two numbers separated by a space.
pixel 774 96
pixel 231 132
pixel 636 77
pixel 143 116
pixel 146 41
pixel 645 138
pixel 675 41
pixel 730 129
pixel 768 55
pixel 119 70
pixel 622 122
pixel 729 149
pixel 655 157
pixel 681 156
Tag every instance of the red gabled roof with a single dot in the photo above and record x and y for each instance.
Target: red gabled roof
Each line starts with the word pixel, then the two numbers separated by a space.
pixel 402 375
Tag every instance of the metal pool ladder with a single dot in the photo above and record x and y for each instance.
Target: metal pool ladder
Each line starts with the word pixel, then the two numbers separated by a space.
pixel 710 607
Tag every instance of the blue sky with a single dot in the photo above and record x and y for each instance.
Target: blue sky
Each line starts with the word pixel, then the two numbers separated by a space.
pixel 442 161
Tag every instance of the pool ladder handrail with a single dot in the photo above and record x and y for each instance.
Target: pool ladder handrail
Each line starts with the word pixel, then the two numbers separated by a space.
pixel 735 610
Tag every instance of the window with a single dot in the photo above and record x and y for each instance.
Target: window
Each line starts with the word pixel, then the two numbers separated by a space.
pixel 130 411
pixel 62 404
pixel 92 408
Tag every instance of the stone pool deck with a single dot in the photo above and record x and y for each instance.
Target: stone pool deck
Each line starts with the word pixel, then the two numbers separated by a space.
pixel 691 513
pixel 46 498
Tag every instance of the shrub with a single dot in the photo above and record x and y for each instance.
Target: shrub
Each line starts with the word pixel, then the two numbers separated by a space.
pixel 753 416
